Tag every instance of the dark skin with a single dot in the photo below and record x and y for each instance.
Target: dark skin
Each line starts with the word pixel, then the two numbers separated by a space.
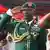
pixel 49 37
pixel 48 34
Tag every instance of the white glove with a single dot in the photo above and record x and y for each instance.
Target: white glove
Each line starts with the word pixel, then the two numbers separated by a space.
pixel 9 12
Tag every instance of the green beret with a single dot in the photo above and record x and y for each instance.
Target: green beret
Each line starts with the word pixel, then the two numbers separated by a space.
pixel 33 5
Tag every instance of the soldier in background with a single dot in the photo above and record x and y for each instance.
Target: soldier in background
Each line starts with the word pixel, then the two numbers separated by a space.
pixel 48 40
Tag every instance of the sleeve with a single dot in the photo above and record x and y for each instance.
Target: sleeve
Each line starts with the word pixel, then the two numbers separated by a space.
pixel 44 19
pixel 45 24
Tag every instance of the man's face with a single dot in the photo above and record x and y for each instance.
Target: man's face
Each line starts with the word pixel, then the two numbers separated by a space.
pixel 49 37
pixel 48 34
